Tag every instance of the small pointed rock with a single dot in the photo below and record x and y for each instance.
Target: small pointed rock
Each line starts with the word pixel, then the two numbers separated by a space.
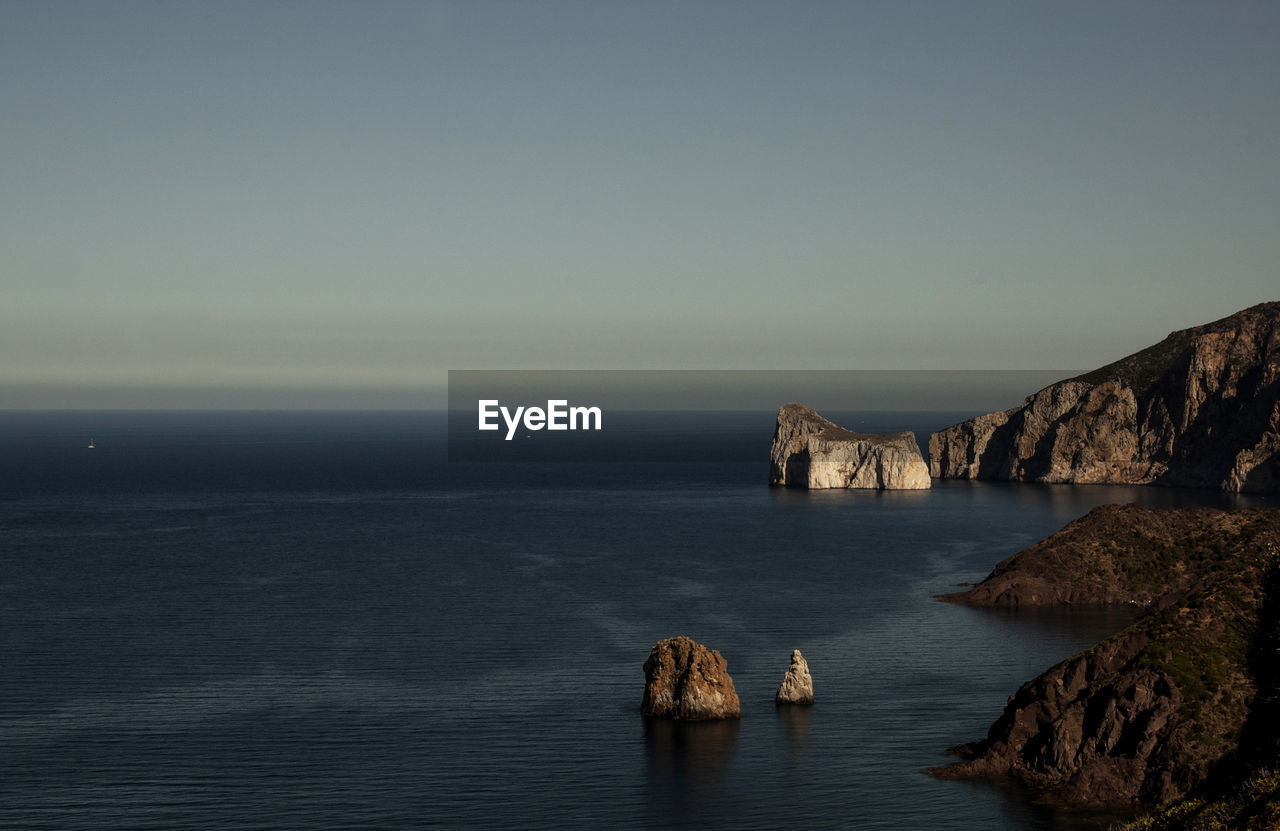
pixel 797 684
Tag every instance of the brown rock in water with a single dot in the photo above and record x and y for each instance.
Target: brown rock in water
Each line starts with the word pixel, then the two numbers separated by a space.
pixel 797 684
pixel 1199 409
pixel 810 452
pixel 685 680
pixel 1150 713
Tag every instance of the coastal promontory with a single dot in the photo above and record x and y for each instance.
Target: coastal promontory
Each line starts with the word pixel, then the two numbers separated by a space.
pixel 1186 696
pixel 811 452
pixel 1120 555
pixel 1199 409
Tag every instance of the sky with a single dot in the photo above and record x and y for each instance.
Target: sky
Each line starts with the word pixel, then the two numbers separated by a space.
pixel 271 204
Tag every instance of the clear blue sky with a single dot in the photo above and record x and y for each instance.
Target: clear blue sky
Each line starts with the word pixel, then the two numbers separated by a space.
pixel 330 204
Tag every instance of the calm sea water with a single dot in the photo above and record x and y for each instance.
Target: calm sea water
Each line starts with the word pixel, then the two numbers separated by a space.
pixel 310 620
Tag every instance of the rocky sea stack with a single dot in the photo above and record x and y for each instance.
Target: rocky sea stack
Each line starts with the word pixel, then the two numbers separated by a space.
pixel 797 684
pixel 686 680
pixel 1188 693
pixel 1199 409
pixel 811 452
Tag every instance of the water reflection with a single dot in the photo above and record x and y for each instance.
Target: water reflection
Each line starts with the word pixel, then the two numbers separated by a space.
pixel 1024 808
pixel 835 497
pixel 687 763
pixel 1067 501
pixel 1086 623
pixel 1080 498
pixel 795 721
pixel 694 751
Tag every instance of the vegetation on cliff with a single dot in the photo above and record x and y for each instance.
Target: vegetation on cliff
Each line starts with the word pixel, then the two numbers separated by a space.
pixel 1122 555
pixel 1181 698
pixel 1250 803
pixel 1243 792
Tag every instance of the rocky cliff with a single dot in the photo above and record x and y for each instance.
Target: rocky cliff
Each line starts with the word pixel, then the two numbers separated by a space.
pixel 1199 409
pixel 686 680
pixel 811 452
pixel 1177 696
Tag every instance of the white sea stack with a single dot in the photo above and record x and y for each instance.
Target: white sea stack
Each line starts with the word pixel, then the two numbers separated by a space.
pixel 797 684
pixel 811 452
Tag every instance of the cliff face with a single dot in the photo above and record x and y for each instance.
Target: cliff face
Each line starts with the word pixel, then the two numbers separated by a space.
pixel 1151 712
pixel 1199 409
pixel 811 452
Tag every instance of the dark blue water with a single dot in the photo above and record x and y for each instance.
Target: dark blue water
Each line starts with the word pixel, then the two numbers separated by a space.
pixel 309 620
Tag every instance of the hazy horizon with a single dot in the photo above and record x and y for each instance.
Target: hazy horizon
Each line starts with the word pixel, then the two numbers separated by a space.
pixel 626 390
pixel 331 204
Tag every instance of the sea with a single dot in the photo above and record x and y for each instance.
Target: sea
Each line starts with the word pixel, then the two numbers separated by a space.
pixel 305 620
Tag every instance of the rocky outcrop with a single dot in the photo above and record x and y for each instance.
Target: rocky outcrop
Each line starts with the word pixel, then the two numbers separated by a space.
pixel 810 452
pixel 797 684
pixel 686 680
pixel 1199 409
pixel 1153 711
pixel 1089 742
pixel 1121 555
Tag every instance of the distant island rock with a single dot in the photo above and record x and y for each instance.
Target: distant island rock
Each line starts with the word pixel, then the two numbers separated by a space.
pixel 1199 409
pixel 811 452
pixel 1189 690
pixel 797 684
pixel 686 680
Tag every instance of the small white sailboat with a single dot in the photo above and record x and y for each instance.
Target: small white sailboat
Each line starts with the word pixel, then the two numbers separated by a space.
pixel 90 443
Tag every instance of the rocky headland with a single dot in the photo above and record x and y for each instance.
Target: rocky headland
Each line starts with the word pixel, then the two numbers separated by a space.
pixel 797 683
pixel 686 680
pixel 1183 697
pixel 811 452
pixel 1199 409
pixel 1120 555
